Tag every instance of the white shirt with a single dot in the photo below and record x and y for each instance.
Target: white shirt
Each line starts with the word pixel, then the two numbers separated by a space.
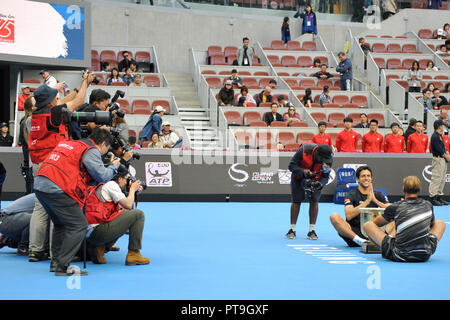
pixel 51 81
pixel 169 138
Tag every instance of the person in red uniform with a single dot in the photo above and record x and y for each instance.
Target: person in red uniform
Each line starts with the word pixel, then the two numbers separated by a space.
pixel 418 141
pixel 24 96
pixel 347 139
pixel 394 142
pixel 372 141
pixel 322 137
pixel 446 142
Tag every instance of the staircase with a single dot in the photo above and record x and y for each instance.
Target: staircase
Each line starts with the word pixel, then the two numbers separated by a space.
pixel 194 118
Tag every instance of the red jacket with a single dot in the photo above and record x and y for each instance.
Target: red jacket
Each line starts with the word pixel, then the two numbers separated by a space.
pixel 98 210
pixel 308 161
pixel 44 136
pixel 417 144
pixel 372 142
pixel 325 139
pixel 394 144
pixel 64 166
pixel 21 101
pixel 347 141
pixel 446 142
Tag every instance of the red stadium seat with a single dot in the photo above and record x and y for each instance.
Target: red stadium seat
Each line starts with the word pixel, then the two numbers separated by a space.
pixel 141 107
pixel 278 45
pixel 258 123
pixel 386 36
pixel 230 50
pixel 244 138
pixel 336 118
pixel 225 73
pixel 278 124
pixel 315 105
pixel 230 59
pixel 341 99
pixel 261 73
pixel 142 56
pixel 212 50
pixel 323 60
pixel 273 59
pixel 288 61
pixel 380 62
pixel 307 83
pixel 350 105
pixel 356 117
pixel 292 83
pixel 255 61
pixel 95 64
pixel 391 76
pixel 218 59
pixel 325 82
pixel 245 73
pixel 94 55
pixel 251 116
pixel 423 63
pixel 299 124
pixel 309 46
pixel 214 82
pixel 438 85
pixel 331 105
pixel 124 105
pixel 446 107
pixel 30 80
pixel 209 72
pixel 292 146
pixel 250 83
pixel 409 48
pixel 408 62
pixel 265 104
pixel 118 84
pixel 441 77
pixel 108 55
pixel 294 45
pixel 264 82
pixel 319 116
pixel 403 83
pixel 152 81
pixel 304 61
pixel 112 62
pixel 377 116
pixel 131 133
pixel 425 34
pixel 233 117
pixel 305 137
pixel 379 47
pixel 163 103
pixel 360 100
pixel 427 77
pixel 394 63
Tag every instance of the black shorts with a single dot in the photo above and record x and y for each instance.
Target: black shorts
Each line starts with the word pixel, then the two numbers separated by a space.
pixel 298 191
pixel 388 250
pixel 349 241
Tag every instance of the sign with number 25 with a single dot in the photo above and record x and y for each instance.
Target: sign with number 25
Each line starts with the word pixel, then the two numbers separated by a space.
pixel 7 30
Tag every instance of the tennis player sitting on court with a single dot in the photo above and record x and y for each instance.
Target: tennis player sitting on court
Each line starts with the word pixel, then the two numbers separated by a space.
pixel 362 197
pixel 417 233
pixel 310 167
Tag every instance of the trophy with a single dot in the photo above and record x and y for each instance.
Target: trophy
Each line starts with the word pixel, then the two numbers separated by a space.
pixel 369 214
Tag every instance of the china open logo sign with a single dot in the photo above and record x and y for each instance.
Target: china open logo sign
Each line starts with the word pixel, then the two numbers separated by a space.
pixel 6 28
pixel 158 174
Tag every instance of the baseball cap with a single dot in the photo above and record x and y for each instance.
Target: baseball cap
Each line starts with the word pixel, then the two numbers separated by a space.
pixel 159 109
pixel 3 124
pixel 228 82
pixel 166 123
pixel 43 70
pixel 44 95
pixel 324 154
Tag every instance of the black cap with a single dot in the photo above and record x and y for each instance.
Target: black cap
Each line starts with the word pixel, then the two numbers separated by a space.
pixel 3 124
pixel 122 171
pixel 324 154
pixel 438 123
pixel 44 95
pixel 43 70
pixel 281 97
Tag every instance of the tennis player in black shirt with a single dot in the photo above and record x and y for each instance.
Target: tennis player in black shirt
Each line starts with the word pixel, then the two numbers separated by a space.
pixel 362 197
pixel 417 233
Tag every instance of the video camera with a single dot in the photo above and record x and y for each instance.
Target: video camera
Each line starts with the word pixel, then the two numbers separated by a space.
pixel 113 106
pixel 96 79
pixel 311 184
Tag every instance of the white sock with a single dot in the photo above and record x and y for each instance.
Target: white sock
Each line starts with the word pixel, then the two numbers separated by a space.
pixel 293 227
pixel 359 240
pixel 311 227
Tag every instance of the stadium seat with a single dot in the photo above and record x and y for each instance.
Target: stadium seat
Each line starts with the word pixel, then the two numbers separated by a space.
pixel 309 46
pixel 283 74
pixel 131 133
pixel 30 80
pixel 218 59
pixel 230 50
pixel 152 81
pixel 163 103
pixel 265 104
pixel 386 36
pixel 288 61
pixel 377 116
pixel 108 55
pixel 209 72
pixel 379 47
pixel 299 124
pixel 251 116
pixel 142 56
pixel 264 82
pixel 95 64
pixel 124 105
pixel 225 73
pixel 409 48
pixel 394 48
pixel 214 82
pixel 331 105
pixel 255 61
pixel 427 77
pixel 341 99
pixel 245 73
pixel 294 45
pixel 118 84
pixel 273 59
pixel 278 45
pixel 394 63
pixel 336 118
pixel 325 82
pixel 380 62
pixel 262 138
pixel 261 73
pixel 403 83
pixel 319 116
pixel 350 106
pixel 278 124
pixel 356 117
pixel 439 85
pixel 250 83
pixel 425 34
pixel 423 63
pixel 145 144
pixel 304 137
pixel 230 59
pixel 360 100
pixel 408 62
pixel 293 83
pixel 315 105
pixel 258 123
pixel 141 107
pixel 307 83
pixel 391 76
pixel 244 138
pixel 323 60
pixel 292 146
pixel 233 117
pixel 446 107
pixel 441 77
pixel 304 61
pixel 212 50
pixel 94 54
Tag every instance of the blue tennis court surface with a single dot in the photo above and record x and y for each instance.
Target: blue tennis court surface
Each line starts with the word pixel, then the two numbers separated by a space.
pixel 235 251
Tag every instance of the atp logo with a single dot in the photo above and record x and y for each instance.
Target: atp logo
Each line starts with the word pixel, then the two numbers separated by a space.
pixel 7 28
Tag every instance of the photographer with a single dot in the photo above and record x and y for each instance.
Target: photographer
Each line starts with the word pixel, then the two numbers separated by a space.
pixel 310 167
pixel 26 169
pixel 110 212
pixel 98 101
pixel 63 195
pixel 121 125
pixel 49 126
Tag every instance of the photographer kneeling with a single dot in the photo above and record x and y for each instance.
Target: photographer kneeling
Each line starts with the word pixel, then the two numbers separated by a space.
pixel 105 214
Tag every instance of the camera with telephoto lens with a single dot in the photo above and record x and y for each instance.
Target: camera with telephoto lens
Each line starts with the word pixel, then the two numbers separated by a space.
pixel 119 142
pixel 113 106
pixel 96 79
pixel 311 184
pixel 132 179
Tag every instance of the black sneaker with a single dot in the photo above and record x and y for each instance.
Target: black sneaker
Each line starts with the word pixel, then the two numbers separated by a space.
pixel 3 239
pixel 312 235
pixel 35 256
pixel 53 266
pixel 71 271
pixel 22 251
pixel 435 202
pixel 441 200
pixel 291 234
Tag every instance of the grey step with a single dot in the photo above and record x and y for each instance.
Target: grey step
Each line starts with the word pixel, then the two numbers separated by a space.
pixel 188 117
pixel 196 124
pixel 190 114
pixel 204 144
pixel 199 134
pixel 202 128
pixel 189 109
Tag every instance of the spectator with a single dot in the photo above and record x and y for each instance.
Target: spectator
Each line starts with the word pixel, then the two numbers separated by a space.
pixel 285 31
pixel 291 116
pixel 442 50
pixel 111 214
pixel 128 77
pixel 417 141
pixel 283 103
pixel 153 124
pixel 363 121
pixel 134 67
pixel 307 98
pixel 446 87
pixel 431 66
pixel 301 8
pixel 394 142
pixel 138 81
pixel 431 87
pixel 168 138
pixel 25 94
pixel 106 66
pixel 226 94
pixel 434 4
pixel 269 117
pixel 323 73
pixel 156 142
pixel 309 24
pixel 236 80
pixel 245 54
pixel 6 140
pixel 410 130
pixel 438 100
pixel 447 45
pixel 248 99
pixel 323 6
pixel 446 30
pixel 273 84
pixel 316 63
pixel 345 69
pixel 125 63
pixel 364 46
pixel 325 96
pixel 322 137
pixel 414 76
pixel 347 139
pixel 264 96
pixel 48 78
pixel 426 99
pixel 115 77
pixel 440 34
pixel 443 115
pixel 389 8
pixel 372 141
pixel 132 143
